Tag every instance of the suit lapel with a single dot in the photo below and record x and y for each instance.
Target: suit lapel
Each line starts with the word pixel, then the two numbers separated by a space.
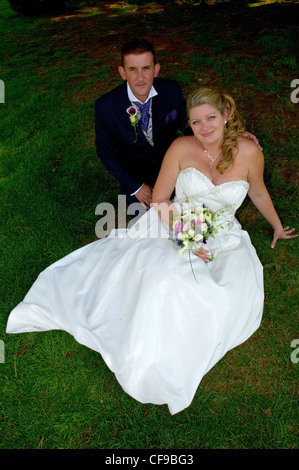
pixel 156 115
pixel 123 103
pixel 158 105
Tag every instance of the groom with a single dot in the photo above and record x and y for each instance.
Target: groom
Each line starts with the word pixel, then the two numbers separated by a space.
pixel 136 122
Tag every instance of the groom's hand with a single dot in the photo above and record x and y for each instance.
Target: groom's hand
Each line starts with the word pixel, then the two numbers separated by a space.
pixel 252 137
pixel 144 195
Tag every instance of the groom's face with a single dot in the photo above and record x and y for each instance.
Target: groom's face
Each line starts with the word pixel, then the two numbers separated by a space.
pixel 139 70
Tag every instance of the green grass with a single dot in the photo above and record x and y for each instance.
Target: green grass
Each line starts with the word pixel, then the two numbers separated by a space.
pixel 55 393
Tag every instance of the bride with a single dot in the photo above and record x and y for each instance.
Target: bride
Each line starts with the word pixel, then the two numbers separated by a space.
pixel 134 300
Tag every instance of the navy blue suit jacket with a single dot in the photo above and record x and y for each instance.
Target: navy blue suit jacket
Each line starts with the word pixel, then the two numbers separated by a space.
pixel 134 163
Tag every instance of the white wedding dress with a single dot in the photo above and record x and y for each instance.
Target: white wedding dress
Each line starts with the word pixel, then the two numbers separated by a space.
pixel 131 298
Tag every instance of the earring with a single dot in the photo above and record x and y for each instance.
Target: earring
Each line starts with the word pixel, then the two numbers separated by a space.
pixel 225 122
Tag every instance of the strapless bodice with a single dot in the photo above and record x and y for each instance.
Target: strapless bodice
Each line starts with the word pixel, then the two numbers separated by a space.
pixel 195 186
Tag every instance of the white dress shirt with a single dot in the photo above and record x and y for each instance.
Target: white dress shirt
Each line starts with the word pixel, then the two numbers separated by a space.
pixel 133 98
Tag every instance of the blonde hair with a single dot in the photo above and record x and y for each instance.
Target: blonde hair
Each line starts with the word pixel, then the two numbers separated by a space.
pixel 234 126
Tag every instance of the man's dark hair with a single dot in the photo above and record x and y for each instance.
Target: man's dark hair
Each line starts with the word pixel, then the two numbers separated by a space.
pixel 137 46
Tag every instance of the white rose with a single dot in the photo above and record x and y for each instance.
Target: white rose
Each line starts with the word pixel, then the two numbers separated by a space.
pixel 198 237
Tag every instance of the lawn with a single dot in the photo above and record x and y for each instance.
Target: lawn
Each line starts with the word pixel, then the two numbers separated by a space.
pixel 55 393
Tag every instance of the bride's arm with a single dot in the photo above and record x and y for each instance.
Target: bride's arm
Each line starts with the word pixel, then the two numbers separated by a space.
pixel 165 183
pixel 260 197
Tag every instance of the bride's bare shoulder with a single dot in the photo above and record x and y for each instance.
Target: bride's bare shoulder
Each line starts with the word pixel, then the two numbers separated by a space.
pixel 248 146
pixel 182 143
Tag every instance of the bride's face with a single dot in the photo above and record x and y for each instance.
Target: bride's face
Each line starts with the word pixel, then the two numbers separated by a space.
pixel 207 124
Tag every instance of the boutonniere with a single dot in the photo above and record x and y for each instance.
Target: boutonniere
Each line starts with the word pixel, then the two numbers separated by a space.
pixel 134 113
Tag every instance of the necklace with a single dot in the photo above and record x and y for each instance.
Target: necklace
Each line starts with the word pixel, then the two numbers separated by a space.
pixel 213 159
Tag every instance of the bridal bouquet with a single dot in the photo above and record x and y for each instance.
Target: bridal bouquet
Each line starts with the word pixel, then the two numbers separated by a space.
pixel 193 226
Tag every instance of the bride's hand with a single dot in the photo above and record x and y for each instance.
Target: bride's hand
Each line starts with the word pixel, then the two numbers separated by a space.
pixel 205 255
pixel 285 232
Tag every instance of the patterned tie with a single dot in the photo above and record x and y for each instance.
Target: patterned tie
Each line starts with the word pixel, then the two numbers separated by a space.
pixel 144 110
